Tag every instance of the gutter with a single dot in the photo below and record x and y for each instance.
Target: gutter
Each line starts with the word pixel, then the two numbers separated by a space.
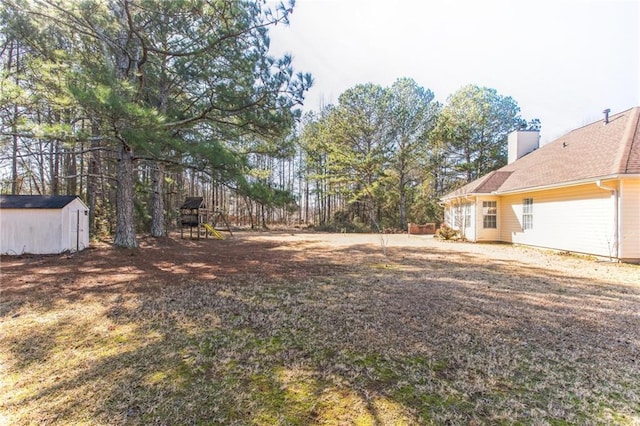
pixel 567 184
pixel 616 213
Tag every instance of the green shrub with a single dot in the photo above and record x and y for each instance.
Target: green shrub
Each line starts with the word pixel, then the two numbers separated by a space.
pixel 447 233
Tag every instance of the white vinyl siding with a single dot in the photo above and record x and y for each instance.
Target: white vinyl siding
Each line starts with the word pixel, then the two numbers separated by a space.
pixel 577 219
pixel 44 231
pixel 36 231
pixel 448 215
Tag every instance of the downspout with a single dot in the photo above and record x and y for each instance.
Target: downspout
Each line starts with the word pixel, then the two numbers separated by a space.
pixel 616 221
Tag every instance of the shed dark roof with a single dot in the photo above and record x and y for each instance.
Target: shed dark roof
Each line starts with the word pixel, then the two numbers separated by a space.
pixel 590 152
pixel 35 201
pixel 193 203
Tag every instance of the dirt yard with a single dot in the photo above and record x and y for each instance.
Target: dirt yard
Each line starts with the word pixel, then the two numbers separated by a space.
pixel 299 328
pixel 278 254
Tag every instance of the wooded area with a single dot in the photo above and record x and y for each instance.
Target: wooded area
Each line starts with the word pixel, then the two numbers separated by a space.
pixel 135 105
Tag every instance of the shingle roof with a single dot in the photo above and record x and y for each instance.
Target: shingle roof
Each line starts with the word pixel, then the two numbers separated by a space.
pixel 484 185
pixel 35 201
pixel 594 151
pixel 193 203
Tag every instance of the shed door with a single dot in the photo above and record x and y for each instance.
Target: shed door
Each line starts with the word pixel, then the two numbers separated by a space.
pixel 74 224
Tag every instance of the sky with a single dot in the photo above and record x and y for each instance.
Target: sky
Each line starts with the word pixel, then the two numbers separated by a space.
pixel 562 61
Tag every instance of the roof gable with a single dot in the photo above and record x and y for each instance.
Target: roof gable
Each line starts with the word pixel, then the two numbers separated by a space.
pixel 493 181
pixel 483 185
pixel 193 203
pixel 630 159
pixel 590 152
pixel 35 201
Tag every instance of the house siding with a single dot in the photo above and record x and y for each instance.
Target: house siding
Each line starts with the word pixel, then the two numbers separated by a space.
pixel 75 226
pixel 44 231
pixel 577 219
pixel 31 231
pixel 482 233
pixel 630 219
pixel 448 215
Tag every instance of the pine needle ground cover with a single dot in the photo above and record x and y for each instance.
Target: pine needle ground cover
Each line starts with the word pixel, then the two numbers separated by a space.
pixel 324 329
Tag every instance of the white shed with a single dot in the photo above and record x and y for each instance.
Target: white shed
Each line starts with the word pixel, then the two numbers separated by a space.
pixel 43 224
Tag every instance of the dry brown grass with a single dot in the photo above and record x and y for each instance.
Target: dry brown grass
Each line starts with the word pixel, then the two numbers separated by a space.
pixel 319 329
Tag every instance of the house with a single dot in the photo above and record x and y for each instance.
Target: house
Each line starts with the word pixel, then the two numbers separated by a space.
pixel 42 224
pixel 579 193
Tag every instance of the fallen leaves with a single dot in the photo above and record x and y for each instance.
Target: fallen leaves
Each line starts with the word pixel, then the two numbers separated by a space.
pixel 317 331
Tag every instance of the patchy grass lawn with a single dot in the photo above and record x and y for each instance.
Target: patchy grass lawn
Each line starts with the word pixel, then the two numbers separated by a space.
pixel 318 329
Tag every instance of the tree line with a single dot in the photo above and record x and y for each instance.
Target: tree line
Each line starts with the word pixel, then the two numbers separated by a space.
pixel 383 156
pixel 134 105
pixel 139 92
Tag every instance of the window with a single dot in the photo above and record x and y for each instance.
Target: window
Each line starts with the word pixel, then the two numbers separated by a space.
pixel 467 215
pixel 457 218
pixel 490 214
pixel 462 216
pixel 527 213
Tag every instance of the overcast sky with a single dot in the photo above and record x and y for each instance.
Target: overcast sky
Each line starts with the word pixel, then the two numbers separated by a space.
pixel 562 61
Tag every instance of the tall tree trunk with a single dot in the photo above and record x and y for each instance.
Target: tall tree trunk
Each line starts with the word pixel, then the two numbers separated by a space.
pixel 373 217
pixel 14 120
pixel 249 204
pixel 157 201
pixel 72 174
pixel 127 54
pixel 157 174
pixel 403 209
pixel 93 171
pixel 41 169
pixel 54 161
pixel 306 200
pixel 263 217
pixel 81 174
pixel 14 163
pixel 125 235
pixel 403 202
